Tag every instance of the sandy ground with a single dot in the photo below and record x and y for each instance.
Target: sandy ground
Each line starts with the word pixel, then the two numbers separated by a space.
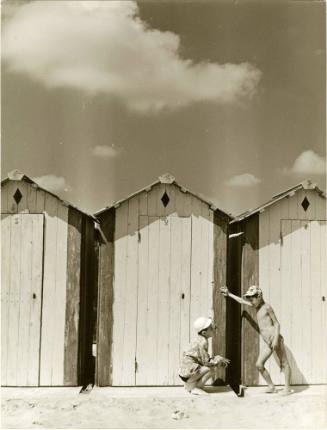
pixel 163 407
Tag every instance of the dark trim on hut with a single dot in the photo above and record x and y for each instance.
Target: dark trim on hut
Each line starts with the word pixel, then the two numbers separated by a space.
pixel 220 277
pixel 105 298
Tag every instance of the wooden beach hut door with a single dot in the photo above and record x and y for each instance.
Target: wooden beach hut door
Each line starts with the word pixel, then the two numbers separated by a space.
pixel 21 298
pixel 304 298
pixel 163 298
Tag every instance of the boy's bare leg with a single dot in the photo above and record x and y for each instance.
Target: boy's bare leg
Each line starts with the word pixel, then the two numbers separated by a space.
pixel 260 365
pixel 206 377
pixel 194 384
pixel 285 367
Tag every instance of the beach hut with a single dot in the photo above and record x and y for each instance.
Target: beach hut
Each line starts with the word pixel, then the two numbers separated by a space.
pixel 281 246
pixel 47 286
pixel 162 261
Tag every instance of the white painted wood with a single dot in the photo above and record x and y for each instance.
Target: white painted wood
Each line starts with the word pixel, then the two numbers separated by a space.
pixel 314 361
pixel 36 301
pixel 152 320
pixel 119 293
pixel 152 201
pixel 204 264
pixel 49 323
pixel 195 310
pixel 186 242
pixel 306 289
pixel 5 292
pixel 59 304
pixel 302 271
pixel 129 346
pixel 174 306
pixel 22 206
pixel 323 295
pixel 20 355
pixel 142 299
pixel 40 201
pixel 4 198
pixel 143 202
pixel 14 298
pixel 25 299
pixel 31 199
pixel 163 335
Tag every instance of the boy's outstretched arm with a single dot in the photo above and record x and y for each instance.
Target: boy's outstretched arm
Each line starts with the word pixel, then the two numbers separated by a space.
pixel 224 290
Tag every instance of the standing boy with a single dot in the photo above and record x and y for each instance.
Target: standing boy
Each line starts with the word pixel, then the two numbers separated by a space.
pixel 270 332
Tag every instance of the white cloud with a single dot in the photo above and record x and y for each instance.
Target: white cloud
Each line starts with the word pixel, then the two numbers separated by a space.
pixel 104 47
pixel 308 163
pixel 245 180
pixel 105 151
pixel 52 183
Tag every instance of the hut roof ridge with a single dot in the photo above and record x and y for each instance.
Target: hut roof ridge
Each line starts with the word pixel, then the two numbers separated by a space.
pixel 166 178
pixel 307 184
pixel 16 175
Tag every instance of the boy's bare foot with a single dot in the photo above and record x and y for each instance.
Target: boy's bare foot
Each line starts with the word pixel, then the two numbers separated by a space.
pixel 271 390
pixel 286 392
pixel 199 392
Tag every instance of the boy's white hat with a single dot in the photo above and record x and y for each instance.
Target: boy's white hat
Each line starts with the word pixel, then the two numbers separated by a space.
pixel 252 291
pixel 202 323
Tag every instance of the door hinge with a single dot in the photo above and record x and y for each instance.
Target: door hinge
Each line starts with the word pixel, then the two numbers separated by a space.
pixel 139 236
pixel 136 365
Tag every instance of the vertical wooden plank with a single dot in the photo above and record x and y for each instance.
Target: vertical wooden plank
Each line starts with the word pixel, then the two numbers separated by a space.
pixel 4 198
pixel 40 200
pixel 143 360
pixel 31 198
pixel 171 191
pixel 286 283
pixel 323 295
pixel 152 314
pixel 36 301
pixel 143 198
pixel 250 271
pixel 5 292
pixel 60 296
pixel 130 315
pixel 119 292
pixel 210 265
pixel 153 201
pixel 195 311
pixel 74 239
pixel 204 261
pixel 175 299
pixel 104 358
pixel 295 295
pixel 14 298
pixel 49 322
pixel 185 283
pixel 25 301
pixel 180 198
pixel 304 332
pixel 220 278
pixel 321 208
pixel 162 337
pixel 314 330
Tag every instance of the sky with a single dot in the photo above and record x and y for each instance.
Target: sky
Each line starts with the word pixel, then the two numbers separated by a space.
pixel 100 98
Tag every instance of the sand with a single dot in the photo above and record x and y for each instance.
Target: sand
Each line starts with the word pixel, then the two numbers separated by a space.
pixel 65 408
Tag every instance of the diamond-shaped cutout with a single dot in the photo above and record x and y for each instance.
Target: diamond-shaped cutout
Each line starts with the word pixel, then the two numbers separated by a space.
pixel 165 199
pixel 305 203
pixel 18 196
